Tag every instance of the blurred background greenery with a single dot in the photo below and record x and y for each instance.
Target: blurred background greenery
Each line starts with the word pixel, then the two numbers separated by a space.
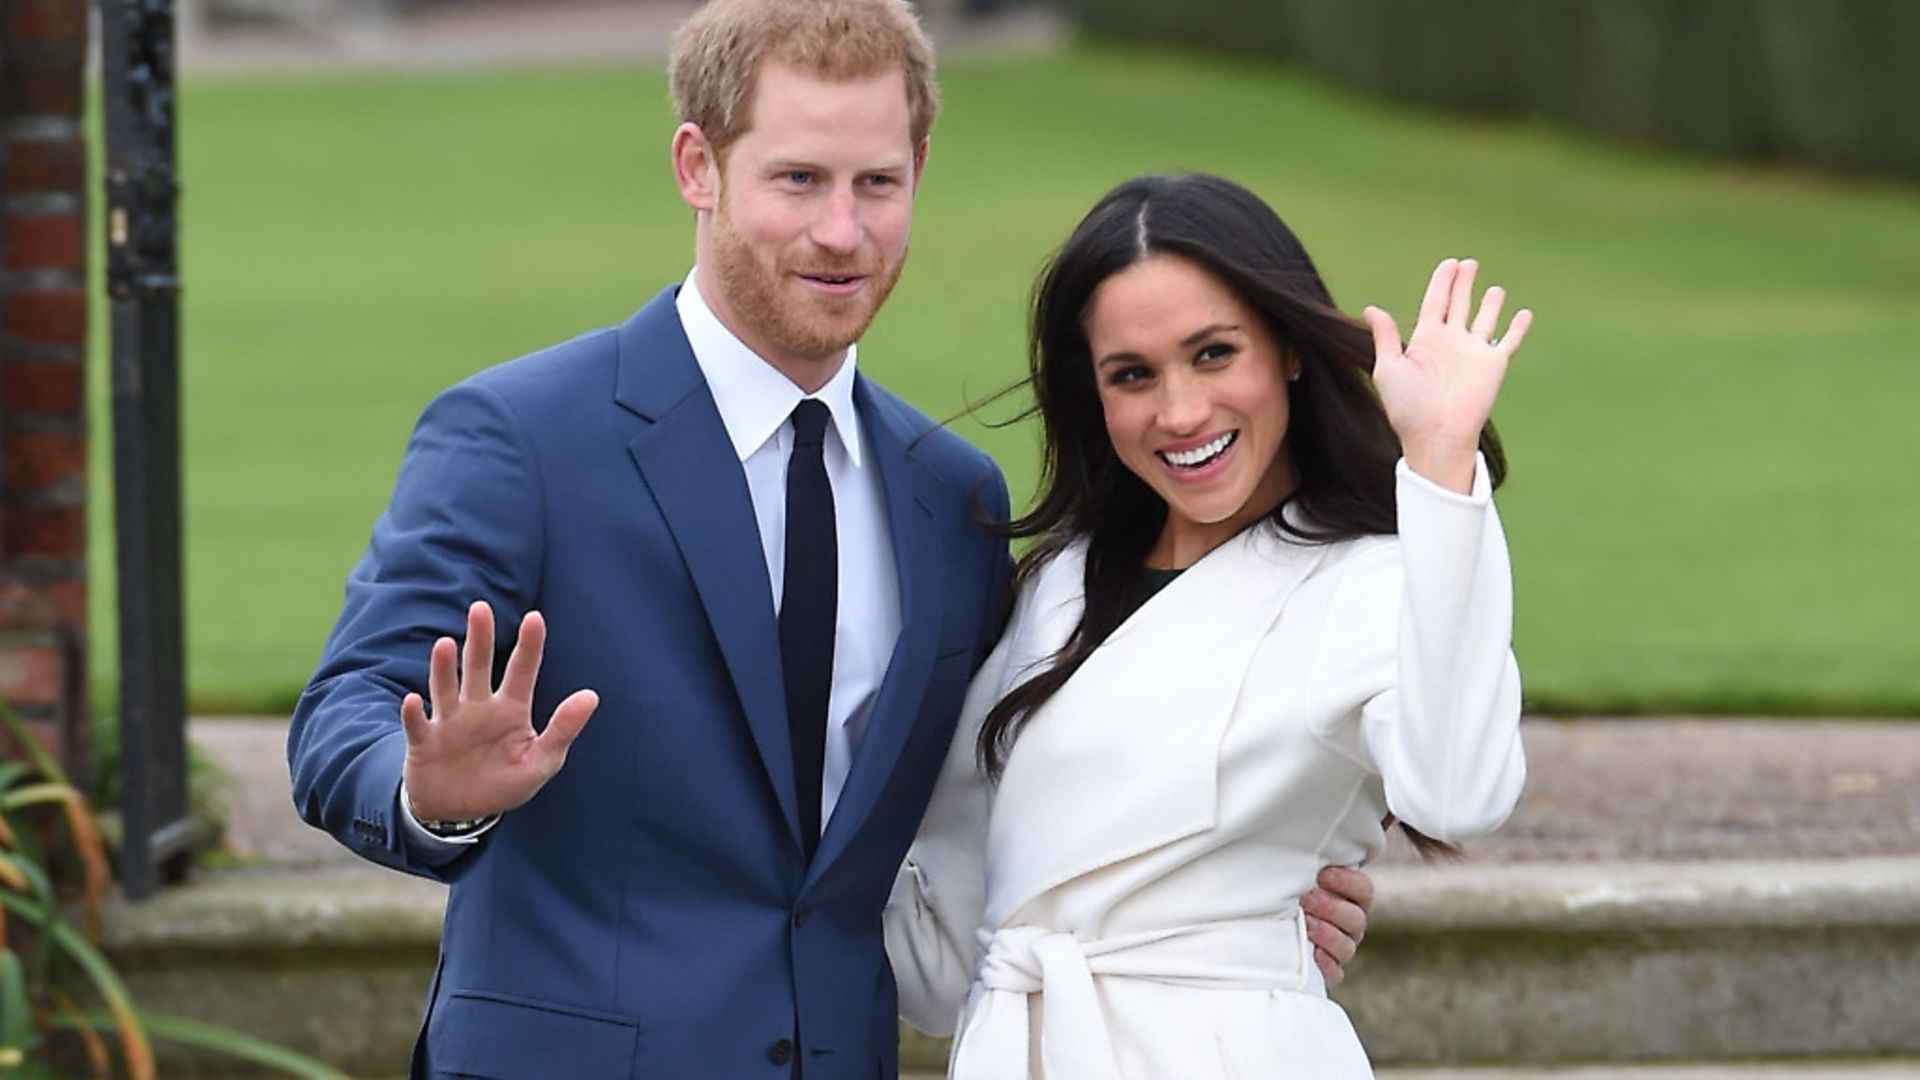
pixel 1713 506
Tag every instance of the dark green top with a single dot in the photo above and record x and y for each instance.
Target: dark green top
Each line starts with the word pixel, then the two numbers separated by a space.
pixel 1151 582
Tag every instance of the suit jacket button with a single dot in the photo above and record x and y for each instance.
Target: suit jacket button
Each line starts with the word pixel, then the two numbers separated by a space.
pixel 781 1052
pixel 801 915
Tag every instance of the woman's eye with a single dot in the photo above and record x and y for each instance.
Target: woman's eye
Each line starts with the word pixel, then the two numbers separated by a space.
pixel 1125 375
pixel 1217 351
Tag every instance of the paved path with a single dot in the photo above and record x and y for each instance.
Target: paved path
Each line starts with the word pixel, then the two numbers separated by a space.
pixel 1598 790
pixel 552 33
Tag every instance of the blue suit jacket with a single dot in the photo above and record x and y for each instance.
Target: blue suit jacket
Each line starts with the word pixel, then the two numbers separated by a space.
pixel 649 913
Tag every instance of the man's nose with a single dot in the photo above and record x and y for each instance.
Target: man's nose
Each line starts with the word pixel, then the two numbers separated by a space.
pixel 838 228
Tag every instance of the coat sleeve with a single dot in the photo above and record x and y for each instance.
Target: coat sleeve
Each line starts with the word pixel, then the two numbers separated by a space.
pixel 939 898
pixel 464 524
pixel 1443 727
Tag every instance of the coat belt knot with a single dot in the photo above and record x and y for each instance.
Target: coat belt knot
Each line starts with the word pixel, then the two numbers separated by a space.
pixel 995 1040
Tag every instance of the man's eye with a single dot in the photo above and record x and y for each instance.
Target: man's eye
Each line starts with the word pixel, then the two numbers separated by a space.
pixel 880 181
pixel 797 176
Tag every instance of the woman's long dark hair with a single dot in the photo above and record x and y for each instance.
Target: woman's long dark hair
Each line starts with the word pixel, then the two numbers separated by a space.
pixel 1342 445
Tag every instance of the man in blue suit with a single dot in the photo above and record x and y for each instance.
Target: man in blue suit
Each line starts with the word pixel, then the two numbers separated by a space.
pixel 763 577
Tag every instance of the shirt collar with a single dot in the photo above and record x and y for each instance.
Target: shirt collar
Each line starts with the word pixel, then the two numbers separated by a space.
pixel 753 397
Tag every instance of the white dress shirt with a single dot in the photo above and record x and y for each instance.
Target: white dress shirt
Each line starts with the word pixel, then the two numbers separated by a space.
pixel 756 404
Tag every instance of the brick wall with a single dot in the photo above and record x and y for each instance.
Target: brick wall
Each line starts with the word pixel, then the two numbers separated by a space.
pixel 43 337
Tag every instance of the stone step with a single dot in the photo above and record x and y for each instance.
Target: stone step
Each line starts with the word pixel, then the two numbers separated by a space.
pixel 1669 1071
pixel 1528 964
pixel 1823 1069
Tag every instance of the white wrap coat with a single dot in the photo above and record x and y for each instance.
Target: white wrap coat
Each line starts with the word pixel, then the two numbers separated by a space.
pixel 1124 903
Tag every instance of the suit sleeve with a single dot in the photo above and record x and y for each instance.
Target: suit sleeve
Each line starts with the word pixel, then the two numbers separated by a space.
pixel 464 524
pixel 1443 729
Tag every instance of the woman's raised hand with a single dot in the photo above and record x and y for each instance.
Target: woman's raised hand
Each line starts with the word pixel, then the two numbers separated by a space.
pixel 1439 389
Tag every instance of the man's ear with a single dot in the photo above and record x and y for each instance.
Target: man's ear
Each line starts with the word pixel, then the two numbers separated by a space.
pixel 920 162
pixel 696 168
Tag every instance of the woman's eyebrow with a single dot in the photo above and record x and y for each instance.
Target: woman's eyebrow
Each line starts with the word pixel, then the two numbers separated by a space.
pixel 1205 332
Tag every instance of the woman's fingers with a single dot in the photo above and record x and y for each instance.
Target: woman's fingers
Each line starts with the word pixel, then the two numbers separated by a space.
pixel 1516 331
pixel 1487 323
pixel 1433 306
pixel 1460 299
pixel 1386 333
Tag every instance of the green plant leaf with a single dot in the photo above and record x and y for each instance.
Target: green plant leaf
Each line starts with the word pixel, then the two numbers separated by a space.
pixel 133 1040
pixel 33 1070
pixel 38 904
pixel 12 771
pixel 227 1041
pixel 43 762
pixel 16 1012
pixel 11 875
pixel 47 791
pixel 98 1056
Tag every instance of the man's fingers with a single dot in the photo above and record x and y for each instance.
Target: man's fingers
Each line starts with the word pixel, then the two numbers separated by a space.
pixel 1338 916
pixel 1516 331
pixel 1325 936
pixel 1330 970
pixel 1487 322
pixel 476 674
pixel 413 718
pixel 1386 333
pixel 1348 884
pixel 569 719
pixel 1460 301
pixel 1433 306
pixel 523 667
pixel 443 677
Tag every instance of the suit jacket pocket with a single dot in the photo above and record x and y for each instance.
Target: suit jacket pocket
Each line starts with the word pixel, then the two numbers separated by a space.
pixel 501 1037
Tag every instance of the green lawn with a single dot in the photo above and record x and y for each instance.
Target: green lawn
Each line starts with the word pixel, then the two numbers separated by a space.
pixel 1713 504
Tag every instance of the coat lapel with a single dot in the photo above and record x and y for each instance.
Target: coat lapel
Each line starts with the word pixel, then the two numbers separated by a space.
pixel 690 466
pixel 1125 758
pixel 918 553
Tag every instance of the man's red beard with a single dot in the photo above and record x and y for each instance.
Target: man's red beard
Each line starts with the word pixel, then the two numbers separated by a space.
pixel 780 311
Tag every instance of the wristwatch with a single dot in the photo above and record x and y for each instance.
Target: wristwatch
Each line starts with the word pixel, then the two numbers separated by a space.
pixel 446 830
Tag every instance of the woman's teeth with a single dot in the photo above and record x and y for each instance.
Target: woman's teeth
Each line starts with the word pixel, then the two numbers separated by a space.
pixel 1200 456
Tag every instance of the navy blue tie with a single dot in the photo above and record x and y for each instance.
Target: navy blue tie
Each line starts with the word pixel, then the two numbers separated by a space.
pixel 808 597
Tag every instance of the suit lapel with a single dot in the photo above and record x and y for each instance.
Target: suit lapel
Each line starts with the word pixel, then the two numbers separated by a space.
pixel 690 466
pixel 918 552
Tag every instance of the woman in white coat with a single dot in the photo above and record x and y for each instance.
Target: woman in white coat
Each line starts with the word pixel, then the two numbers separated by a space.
pixel 1269 604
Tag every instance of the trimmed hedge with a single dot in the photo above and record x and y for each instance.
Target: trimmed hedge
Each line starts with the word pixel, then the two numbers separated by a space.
pixel 1836 82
